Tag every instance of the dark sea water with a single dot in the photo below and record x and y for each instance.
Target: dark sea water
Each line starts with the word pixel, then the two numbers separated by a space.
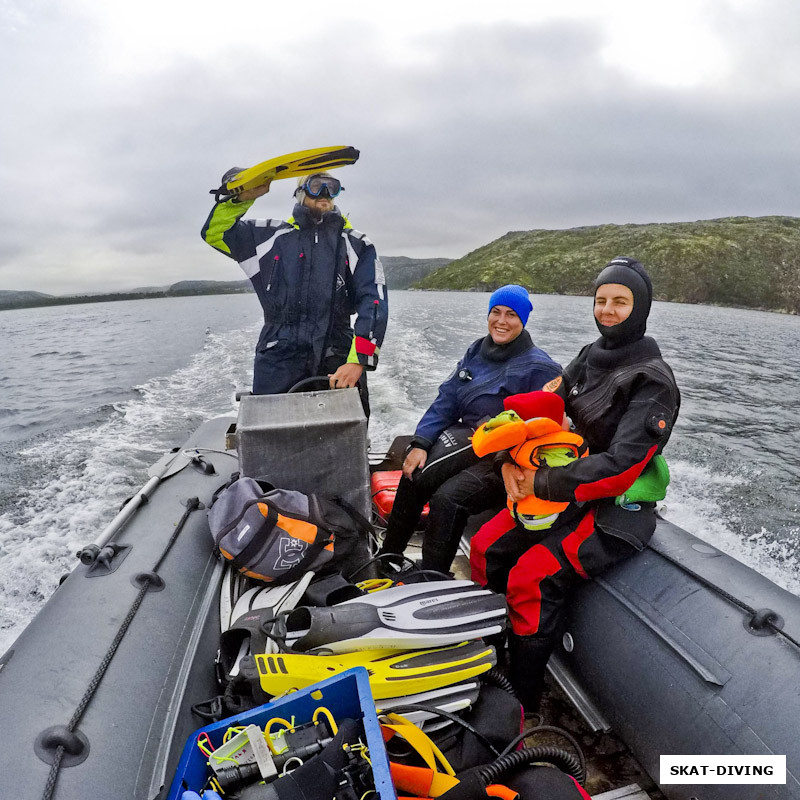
pixel 92 395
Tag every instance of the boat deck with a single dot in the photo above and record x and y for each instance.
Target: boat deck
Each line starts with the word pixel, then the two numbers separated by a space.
pixel 632 792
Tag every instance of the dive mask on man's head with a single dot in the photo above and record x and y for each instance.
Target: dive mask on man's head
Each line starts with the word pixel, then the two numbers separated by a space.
pixel 322 185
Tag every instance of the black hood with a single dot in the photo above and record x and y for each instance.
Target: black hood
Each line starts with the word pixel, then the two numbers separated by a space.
pixel 630 273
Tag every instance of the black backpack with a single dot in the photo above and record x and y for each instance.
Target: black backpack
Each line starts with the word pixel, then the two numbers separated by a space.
pixel 276 535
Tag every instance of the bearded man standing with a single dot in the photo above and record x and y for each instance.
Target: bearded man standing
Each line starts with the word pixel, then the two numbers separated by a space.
pixel 311 273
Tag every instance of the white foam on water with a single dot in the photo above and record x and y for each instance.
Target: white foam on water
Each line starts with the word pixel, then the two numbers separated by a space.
pixel 412 367
pixel 405 372
pixel 86 473
pixel 703 502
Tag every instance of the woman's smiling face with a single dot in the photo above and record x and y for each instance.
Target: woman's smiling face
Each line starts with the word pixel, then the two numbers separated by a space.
pixel 613 304
pixel 504 324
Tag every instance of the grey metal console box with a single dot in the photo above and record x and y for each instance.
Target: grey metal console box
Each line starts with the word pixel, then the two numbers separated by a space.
pixel 309 441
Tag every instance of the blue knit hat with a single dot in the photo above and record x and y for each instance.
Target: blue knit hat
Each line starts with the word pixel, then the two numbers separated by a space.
pixel 515 297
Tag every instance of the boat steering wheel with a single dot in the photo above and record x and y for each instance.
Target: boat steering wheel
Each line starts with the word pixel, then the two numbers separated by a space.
pixel 316 383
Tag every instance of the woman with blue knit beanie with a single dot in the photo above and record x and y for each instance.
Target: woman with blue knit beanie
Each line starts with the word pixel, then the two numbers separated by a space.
pixel 440 467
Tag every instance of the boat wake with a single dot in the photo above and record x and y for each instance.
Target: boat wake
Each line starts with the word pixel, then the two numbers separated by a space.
pixel 709 504
pixel 77 480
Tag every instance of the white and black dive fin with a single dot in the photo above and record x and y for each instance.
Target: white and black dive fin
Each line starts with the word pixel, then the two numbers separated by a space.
pixel 409 616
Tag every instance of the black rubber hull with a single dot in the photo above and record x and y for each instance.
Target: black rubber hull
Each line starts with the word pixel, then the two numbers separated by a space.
pixel 672 665
pixel 139 718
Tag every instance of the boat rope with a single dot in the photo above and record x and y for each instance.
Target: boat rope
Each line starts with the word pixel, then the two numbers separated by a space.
pixel 192 504
pixel 728 596
pixel 202 450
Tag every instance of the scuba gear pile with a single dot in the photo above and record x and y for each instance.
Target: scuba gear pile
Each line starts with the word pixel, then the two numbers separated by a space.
pixel 251 754
pixel 412 615
pixel 421 769
pixel 292 647
pixel 417 634
pixel 319 759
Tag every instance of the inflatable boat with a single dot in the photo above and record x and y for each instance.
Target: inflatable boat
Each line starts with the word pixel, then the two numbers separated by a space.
pixel 680 650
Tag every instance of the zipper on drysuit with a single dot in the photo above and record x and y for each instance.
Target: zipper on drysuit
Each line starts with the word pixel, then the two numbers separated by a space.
pixel 620 376
pixel 275 261
pixel 375 304
pixel 479 386
pixel 598 403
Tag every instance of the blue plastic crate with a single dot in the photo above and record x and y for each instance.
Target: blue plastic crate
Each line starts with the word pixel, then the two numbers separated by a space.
pixel 346 695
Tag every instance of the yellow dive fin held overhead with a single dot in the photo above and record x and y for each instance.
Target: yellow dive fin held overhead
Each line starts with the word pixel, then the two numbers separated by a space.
pixel 291 165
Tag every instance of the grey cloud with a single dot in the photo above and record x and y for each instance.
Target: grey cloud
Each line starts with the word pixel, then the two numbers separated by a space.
pixel 496 128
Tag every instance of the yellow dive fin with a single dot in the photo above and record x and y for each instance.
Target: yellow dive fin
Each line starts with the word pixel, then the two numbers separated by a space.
pixel 291 165
pixel 391 673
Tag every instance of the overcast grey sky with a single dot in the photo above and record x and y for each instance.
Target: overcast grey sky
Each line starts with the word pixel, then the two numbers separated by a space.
pixel 472 119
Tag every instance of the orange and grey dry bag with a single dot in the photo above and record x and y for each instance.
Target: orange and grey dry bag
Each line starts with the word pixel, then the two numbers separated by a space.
pixel 276 535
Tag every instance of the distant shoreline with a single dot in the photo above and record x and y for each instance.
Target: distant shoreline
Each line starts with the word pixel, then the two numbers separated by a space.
pixel 401 273
pixel 731 262
pixel 71 300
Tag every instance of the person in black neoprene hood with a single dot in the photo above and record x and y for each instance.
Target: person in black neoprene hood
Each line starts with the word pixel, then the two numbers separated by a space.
pixel 621 396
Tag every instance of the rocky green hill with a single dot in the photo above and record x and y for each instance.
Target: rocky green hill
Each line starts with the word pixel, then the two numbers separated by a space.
pixel 735 261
